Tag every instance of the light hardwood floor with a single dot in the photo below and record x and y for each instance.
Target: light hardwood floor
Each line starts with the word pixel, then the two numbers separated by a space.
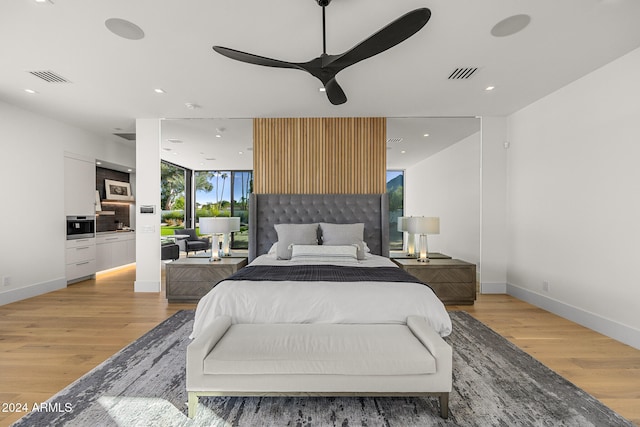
pixel 49 341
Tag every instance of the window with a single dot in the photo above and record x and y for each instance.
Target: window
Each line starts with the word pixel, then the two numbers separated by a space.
pixel 225 193
pixel 395 192
pixel 172 197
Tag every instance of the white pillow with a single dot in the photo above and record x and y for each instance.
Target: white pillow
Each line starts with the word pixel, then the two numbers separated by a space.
pixel 325 254
pixel 273 249
pixel 298 234
pixel 344 234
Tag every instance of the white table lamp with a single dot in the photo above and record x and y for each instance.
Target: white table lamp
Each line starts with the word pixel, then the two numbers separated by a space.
pixel 233 224
pixel 214 227
pixel 219 226
pixel 408 242
pixel 424 225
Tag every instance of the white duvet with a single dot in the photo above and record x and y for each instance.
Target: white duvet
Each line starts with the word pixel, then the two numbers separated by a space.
pixel 248 301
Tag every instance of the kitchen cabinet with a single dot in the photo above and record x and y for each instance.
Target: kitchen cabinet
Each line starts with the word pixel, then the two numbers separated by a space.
pixel 80 259
pixel 115 249
pixel 79 185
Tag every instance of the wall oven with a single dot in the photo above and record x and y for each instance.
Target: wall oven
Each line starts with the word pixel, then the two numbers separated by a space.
pixel 81 227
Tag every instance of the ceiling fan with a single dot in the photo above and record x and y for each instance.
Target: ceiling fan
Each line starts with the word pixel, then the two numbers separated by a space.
pixel 325 67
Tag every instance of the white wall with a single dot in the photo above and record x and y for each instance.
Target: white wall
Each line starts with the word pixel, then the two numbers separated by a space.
pixel 32 255
pixel 447 185
pixel 574 200
pixel 493 236
pixel 148 266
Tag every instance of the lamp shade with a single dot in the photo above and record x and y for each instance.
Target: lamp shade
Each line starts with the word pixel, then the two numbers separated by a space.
pixel 218 225
pixel 234 223
pixel 402 223
pixel 424 225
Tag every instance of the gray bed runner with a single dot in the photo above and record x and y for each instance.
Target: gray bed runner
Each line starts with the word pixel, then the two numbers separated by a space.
pixel 324 273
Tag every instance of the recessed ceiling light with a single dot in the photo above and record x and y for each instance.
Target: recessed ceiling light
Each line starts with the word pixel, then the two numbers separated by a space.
pixel 240 152
pixel 129 170
pixel 218 136
pixel 322 89
pixel 31 91
pixel 425 135
pixel 44 1
pixel 402 152
pixel 175 153
pixel 98 163
pixel 123 28
pixel 510 25
pixel 158 90
pixel 191 105
pixel 489 88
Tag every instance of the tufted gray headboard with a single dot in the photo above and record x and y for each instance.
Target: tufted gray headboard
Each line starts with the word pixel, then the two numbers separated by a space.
pixel 266 210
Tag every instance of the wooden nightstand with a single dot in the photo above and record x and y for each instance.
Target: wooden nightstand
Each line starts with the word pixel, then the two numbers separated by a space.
pixel 403 255
pixel 453 280
pixel 189 279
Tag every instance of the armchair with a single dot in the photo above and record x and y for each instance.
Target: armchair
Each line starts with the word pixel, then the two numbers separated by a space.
pixel 169 250
pixel 193 242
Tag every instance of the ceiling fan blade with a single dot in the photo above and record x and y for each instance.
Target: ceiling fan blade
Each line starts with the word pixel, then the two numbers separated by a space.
pixel 314 67
pixel 253 59
pixel 334 92
pixel 394 33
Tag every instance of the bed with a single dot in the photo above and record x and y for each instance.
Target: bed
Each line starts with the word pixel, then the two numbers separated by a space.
pixel 332 319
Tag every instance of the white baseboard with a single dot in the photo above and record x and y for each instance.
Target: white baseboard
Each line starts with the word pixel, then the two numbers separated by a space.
pixel 148 286
pixel 36 289
pixel 493 288
pixel 608 327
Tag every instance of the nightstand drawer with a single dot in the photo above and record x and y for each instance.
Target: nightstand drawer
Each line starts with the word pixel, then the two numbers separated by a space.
pixel 444 274
pixel 199 274
pixel 455 293
pixel 188 291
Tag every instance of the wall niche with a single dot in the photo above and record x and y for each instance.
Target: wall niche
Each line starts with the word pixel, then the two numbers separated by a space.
pixel 121 209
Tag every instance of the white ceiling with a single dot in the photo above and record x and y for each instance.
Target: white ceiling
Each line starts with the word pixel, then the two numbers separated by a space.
pixel 208 144
pixel 215 144
pixel 112 78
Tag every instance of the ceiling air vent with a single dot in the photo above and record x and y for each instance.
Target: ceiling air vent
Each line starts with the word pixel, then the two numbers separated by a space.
pixel 127 136
pixel 463 73
pixel 49 76
pixel 394 140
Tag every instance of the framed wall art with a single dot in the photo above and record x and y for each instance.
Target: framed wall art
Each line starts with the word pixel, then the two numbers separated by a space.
pixel 117 190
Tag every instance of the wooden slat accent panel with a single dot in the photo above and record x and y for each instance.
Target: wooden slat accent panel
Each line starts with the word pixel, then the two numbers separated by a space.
pixel 320 155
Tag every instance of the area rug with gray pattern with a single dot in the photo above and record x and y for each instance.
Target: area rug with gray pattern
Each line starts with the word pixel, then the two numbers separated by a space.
pixel 494 384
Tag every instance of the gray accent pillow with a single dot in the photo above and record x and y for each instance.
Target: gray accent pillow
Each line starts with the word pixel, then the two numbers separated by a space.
pixel 344 234
pixel 294 234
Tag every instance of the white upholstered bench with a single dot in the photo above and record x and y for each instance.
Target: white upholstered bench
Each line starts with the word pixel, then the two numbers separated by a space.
pixel 319 360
